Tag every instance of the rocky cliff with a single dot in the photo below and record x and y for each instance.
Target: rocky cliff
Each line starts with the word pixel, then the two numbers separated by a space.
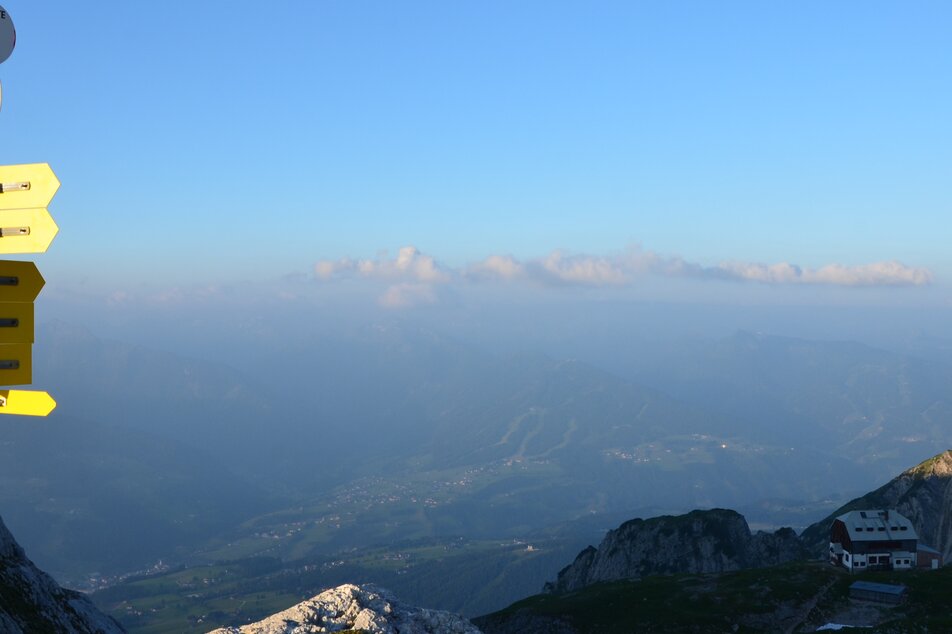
pixel 717 540
pixel 32 603
pixel 366 609
pixel 922 493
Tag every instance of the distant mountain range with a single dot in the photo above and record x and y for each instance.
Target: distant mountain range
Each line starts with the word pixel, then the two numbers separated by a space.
pixel 877 410
pixel 407 434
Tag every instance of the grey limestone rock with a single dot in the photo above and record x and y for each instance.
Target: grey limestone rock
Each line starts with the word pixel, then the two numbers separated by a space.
pixel 31 602
pixel 922 493
pixel 349 607
pixel 717 540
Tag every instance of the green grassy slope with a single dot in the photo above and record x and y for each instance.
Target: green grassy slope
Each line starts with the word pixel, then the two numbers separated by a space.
pixel 794 598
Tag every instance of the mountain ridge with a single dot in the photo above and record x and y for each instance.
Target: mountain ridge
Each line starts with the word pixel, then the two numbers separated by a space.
pixel 366 609
pixel 702 541
pixel 31 602
pixel 922 493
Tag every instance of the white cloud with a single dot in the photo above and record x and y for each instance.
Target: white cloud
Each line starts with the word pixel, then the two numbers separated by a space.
pixel 326 269
pixel 409 264
pixel 890 273
pixel 582 269
pixel 503 267
pixel 781 273
pixel 639 261
pixel 415 277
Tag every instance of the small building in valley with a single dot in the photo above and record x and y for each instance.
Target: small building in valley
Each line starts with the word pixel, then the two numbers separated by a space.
pixel 873 540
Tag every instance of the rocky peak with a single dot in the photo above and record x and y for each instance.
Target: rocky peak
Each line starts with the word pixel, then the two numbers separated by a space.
pixel 717 540
pixel 32 603
pixel 922 493
pixel 362 608
pixel 939 466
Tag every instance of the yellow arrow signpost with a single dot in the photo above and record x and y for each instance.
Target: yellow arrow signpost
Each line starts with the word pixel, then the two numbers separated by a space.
pixel 26 230
pixel 27 186
pixel 25 224
pixel 25 227
pixel 19 281
pixel 26 403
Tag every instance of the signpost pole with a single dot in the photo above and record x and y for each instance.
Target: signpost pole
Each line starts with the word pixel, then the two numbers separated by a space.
pixel 25 227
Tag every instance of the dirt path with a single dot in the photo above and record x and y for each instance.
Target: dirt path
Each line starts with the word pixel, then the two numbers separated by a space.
pixel 809 606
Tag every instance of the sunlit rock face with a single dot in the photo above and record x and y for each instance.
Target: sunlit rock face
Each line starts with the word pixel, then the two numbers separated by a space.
pixel 922 493
pixel 362 608
pixel 31 601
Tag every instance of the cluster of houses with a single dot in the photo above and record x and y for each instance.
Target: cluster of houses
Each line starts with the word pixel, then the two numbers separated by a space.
pixel 879 540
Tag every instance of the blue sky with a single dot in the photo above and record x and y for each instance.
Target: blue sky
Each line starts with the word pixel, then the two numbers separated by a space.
pixel 222 141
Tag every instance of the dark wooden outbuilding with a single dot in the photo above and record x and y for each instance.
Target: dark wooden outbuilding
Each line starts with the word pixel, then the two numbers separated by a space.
pixel 878 592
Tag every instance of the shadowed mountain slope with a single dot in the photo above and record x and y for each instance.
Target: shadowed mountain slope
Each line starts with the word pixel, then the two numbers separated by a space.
pixel 31 602
pixel 717 540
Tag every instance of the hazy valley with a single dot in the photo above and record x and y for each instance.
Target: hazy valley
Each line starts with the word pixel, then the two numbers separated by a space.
pixel 485 467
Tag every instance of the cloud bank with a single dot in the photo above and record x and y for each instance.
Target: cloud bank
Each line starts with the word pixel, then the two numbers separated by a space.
pixel 414 276
pixel 409 264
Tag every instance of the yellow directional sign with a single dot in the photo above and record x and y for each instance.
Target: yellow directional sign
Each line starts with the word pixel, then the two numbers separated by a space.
pixel 26 403
pixel 19 281
pixel 27 186
pixel 16 322
pixel 25 191
pixel 26 230
pixel 16 364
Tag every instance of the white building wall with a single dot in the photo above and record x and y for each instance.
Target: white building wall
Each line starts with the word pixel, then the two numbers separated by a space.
pixel 858 562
